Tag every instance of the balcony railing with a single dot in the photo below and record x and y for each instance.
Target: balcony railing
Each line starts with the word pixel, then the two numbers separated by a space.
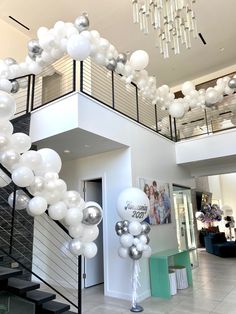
pixel 66 76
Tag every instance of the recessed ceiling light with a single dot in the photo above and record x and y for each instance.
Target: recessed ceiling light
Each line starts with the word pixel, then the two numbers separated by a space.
pixel 86 145
pixel 66 151
pixel 222 49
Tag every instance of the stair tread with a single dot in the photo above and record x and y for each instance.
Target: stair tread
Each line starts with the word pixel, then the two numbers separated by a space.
pixel 54 307
pixel 40 297
pixel 6 273
pixel 21 286
pixel 69 312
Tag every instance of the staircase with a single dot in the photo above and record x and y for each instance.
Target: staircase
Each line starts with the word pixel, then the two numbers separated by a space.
pixel 28 290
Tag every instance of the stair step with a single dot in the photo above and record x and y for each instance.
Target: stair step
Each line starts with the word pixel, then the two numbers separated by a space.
pixel 20 286
pixel 6 273
pixel 53 307
pixel 69 312
pixel 39 297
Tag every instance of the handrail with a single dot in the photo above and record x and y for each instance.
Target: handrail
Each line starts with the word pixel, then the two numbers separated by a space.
pixel 14 232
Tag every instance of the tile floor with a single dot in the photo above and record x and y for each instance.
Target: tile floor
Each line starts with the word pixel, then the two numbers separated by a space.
pixel 214 291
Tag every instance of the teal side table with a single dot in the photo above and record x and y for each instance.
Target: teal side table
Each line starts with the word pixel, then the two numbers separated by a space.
pixel 159 270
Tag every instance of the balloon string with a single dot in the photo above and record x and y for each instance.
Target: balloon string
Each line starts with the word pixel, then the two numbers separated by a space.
pixel 135 282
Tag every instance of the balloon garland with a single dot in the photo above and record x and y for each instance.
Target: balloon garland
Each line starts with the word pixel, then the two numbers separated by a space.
pixel 209 213
pixel 80 43
pixel 37 171
pixel 133 207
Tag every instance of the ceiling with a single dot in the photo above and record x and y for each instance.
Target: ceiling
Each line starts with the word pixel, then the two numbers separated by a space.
pixel 113 19
pixel 79 143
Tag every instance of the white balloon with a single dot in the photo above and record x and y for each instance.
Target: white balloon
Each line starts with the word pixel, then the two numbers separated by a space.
pixel 9 158
pixel 34 68
pixel 76 231
pixel 4 179
pixel 6 127
pixel 139 60
pixel 7 106
pixel 72 198
pixel 187 87
pixel 60 29
pixel 211 96
pixel 177 110
pixel 4 142
pixel 89 234
pixel 90 250
pixel 135 228
pixel 22 176
pixel 37 206
pixel 140 246
pixel 37 186
pixel 73 216
pixel 32 159
pixel 21 142
pixel 100 59
pixel 57 211
pixel 143 238
pixel 147 252
pixel 5 85
pixel 78 47
pixel 136 241
pixel 42 31
pixel 51 161
pixel 126 240
pixel 133 204
pixel 123 252
pixel 75 247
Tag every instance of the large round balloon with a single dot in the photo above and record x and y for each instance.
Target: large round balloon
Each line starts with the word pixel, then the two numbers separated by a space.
pixel 7 106
pixel 78 47
pixel 139 60
pixel 37 206
pixel 133 204
pixel 92 213
pixel 51 161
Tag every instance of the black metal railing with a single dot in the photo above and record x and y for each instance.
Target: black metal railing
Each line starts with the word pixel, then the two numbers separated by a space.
pixel 39 246
pixel 109 88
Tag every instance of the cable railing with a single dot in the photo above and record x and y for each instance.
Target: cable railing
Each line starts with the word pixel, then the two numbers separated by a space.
pixel 110 89
pixel 39 246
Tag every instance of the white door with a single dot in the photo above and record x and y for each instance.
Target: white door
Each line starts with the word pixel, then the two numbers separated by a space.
pixel 93 268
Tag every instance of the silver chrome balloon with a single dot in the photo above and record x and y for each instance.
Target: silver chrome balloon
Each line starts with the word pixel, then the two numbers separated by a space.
pixel 92 215
pixel 9 61
pixel 15 86
pixel 21 201
pixel 134 253
pixel 82 23
pixel 34 47
pixel 125 229
pixel 119 228
pixel 145 227
pixel 232 83
pixel 111 65
pixel 122 58
pixel 125 223
pixel 32 55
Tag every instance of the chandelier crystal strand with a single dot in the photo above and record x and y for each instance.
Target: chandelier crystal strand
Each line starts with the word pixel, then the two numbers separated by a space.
pixel 174 22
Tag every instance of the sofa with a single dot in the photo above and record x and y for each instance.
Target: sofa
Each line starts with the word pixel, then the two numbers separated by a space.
pixel 217 244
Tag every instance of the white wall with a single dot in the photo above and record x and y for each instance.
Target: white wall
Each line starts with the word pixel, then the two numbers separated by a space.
pixel 14 42
pixel 149 156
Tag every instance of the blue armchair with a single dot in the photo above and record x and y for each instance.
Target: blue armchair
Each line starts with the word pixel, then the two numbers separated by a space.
pixel 217 244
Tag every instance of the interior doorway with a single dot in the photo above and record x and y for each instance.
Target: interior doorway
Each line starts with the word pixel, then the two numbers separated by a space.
pixel 93 272
pixel 185 221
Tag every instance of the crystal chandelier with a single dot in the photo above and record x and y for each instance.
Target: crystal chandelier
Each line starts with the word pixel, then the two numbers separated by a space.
pixel 174 22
